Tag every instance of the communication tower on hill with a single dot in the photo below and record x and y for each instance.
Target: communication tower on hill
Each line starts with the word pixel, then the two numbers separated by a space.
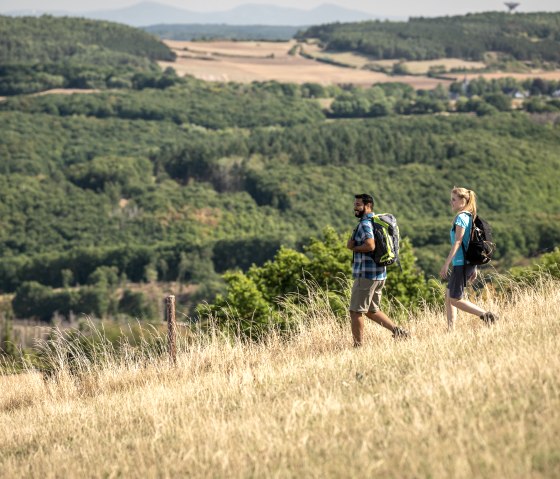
pixel 511 5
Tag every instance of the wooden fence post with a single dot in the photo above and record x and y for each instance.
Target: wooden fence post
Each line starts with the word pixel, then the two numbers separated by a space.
pixel 171 329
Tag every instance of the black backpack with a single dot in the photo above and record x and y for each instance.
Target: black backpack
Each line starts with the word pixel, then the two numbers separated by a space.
pixel 481 248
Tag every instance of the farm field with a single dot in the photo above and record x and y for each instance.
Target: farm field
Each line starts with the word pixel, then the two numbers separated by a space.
pixel 246 62
pixel 414 67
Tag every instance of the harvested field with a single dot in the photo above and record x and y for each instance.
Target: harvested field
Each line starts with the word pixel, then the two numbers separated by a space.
pixel 422 67
pixel 240 49
pixel 246 62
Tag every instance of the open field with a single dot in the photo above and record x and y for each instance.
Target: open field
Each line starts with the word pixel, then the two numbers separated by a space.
pixel 264 61
pixel 260 61
pixel 478 402
pixel 250 49
pixel 414 67
pixel 422 67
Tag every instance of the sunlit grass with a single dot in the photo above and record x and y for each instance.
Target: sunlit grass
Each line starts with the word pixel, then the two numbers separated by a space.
pixel 478 402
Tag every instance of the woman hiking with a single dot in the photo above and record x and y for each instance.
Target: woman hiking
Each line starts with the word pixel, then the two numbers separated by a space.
pixel 463 204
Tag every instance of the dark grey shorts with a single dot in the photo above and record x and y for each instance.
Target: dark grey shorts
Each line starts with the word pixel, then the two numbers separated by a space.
pixel 455 284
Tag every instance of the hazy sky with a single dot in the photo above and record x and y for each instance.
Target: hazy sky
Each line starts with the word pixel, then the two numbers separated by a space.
pixel 402 8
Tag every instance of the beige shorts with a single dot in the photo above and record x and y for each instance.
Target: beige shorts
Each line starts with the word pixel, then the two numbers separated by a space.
pixel 366 295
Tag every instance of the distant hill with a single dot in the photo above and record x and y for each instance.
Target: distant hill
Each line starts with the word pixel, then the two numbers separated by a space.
pixel 48 52
pixel 152 13
pixel 526 37
pixel 49 38
pixel 190 32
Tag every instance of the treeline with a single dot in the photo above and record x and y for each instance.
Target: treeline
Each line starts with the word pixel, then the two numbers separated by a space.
pixel 50 52
pixel 530 37
pixel 211 106
pixel 267 104
pixel 480 96
pixel 507 85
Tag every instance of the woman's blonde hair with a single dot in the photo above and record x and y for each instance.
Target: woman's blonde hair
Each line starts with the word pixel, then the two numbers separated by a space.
pixel 469 196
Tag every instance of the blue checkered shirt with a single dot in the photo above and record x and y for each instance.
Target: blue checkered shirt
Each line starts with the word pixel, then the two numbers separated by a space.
pixel 363 265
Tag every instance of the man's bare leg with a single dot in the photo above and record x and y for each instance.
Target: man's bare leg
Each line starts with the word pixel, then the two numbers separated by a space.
pixel 357 327
pixel 381 318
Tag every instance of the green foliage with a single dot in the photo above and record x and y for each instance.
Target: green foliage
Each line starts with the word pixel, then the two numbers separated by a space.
pixel 406 285
pixel 77 193
pixel 207 105
pixel 253 303
pixel 136 305
pixel 47 52
pixel 243 311
pixel 523 36
pixel 34 300
pixel 547 264
pixel 49 38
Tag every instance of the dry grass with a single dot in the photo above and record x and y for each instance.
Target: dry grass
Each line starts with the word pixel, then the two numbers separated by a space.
pixel 246 62
pixel 251 49
pixel 479 402
pixel 422 67
pixel 415 67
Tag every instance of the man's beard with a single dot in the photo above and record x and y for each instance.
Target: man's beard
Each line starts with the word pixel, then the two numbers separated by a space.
pixel 359 214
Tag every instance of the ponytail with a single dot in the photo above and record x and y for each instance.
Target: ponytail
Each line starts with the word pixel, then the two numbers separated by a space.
pixel 469 196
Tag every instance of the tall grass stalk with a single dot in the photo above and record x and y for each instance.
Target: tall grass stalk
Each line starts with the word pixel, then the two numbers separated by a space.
pixel 478 402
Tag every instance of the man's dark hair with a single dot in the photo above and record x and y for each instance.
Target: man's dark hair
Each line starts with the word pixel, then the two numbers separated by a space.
pixel 366 199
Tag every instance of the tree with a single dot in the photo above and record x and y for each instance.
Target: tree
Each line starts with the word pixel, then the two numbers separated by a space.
pixel 252 303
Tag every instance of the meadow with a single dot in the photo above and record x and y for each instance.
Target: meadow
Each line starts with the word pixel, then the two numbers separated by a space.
pixel 476 402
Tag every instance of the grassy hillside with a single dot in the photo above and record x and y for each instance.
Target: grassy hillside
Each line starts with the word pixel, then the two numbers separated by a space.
pixel 529 37
pixel 479 402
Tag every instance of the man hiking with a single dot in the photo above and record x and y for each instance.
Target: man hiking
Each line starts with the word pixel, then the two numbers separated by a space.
pixel 369 278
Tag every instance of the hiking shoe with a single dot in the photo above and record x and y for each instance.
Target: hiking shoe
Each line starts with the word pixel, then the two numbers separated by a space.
pixel 489 317
pixel 399 333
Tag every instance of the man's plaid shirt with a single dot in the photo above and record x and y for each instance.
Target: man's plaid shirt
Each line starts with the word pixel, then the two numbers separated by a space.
pixel 363 265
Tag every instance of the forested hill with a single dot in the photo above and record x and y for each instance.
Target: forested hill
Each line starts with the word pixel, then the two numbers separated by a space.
pixel 526 37
pixel 51 39
pixel 47 52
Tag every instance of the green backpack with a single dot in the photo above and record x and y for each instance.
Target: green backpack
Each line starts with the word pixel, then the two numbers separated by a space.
pixel 387 238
